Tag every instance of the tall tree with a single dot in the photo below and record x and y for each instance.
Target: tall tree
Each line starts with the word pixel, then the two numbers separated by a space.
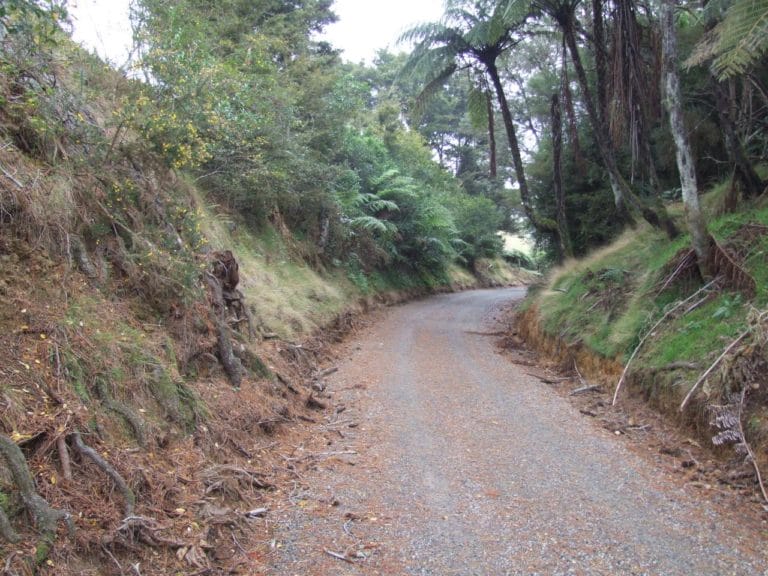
pixel 474 34
pixel 563 12
pixel 701 240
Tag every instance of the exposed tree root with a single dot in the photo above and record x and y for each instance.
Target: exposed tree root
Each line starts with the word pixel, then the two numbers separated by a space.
pixel 44 518
pixel 228 480
pixel 88 452
pixel 80 255
pixel 6 530
pixel 66 466
pixel 136 530
pixel 229 361
pixel 252 362
pixel 235 301
pixel 133 420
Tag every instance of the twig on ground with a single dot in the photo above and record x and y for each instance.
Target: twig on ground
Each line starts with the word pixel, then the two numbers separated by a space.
pixel 588 388
pixel 339 556
pixel 578 374
pixel 714 365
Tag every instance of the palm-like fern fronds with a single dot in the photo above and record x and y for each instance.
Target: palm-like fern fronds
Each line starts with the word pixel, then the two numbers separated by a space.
pixel 373 224
pixel 737 42
pixel 376 204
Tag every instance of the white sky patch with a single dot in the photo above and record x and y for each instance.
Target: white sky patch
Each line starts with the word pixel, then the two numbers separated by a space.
pixel 364 26
pixel 103 26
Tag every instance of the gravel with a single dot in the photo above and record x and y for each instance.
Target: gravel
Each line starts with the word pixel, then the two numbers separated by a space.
pixel 466 465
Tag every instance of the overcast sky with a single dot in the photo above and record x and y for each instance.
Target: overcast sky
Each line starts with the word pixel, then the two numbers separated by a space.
pixel 364 26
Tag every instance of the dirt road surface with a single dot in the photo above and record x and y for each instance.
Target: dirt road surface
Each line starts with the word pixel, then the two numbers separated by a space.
pixel 451 460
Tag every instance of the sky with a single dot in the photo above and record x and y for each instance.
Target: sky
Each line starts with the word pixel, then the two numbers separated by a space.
pixel 364 26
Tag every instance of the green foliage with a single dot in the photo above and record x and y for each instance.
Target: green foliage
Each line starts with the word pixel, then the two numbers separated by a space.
pixel 36 19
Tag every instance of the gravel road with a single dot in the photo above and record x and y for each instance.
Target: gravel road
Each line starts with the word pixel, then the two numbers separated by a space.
pixel 460 463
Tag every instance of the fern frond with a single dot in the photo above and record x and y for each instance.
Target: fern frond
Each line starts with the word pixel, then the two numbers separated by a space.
pixel 514 11
pixel 737 42
pixel 373 224
pixel 433 87
pixel 743 37
pixel 376 204
pixel 477 107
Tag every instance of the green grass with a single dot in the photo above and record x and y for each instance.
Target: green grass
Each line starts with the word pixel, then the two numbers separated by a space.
pixel 697 335
pixel 572 304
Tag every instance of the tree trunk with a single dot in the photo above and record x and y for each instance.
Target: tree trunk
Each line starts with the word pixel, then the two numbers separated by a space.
pixel 573 129
pixel 700 237
pixel 491 135
pixel 626 201
pixel 541 224
pixel 557 177
pixel 601 67
pixel 743 172
pixel 622 195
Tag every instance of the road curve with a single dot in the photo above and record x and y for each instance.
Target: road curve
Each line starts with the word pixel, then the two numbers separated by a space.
pixel 466 465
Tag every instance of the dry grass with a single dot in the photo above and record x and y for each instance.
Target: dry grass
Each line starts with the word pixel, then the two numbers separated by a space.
pixel 597 257
pixel 287 297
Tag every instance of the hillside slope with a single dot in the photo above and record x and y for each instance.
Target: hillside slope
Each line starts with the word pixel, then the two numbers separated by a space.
pixel 637 317
pixel 156 350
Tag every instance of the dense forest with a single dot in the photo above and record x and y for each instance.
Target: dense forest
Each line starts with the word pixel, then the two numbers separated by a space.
pixel 564 121
pixel 420 158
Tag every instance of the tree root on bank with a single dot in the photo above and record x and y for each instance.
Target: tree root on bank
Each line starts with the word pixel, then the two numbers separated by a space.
pixel 6 530
pixel 141 530
pixel 86 451
pixel 228 480
pixel 133 420
pixel 44 518
pixel 231 364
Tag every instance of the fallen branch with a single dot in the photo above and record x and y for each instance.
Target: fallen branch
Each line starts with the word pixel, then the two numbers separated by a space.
pixel 681 365
pixel 477 333
pixel 548 380
pixel 339 556
pixel 583 389
pixel 11 178
pixel 714 365
pixel 88 452
pixel 650 333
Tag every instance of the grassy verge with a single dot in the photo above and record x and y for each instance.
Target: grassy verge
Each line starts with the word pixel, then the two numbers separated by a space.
pixel 603 305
